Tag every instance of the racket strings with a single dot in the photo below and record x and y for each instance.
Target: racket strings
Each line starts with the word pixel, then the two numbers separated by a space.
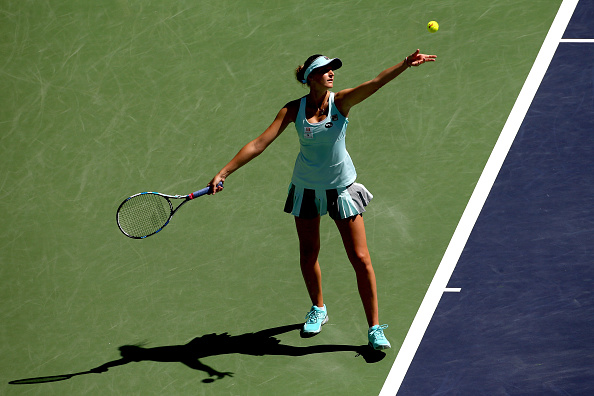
pixel 41 380
pixel 144 214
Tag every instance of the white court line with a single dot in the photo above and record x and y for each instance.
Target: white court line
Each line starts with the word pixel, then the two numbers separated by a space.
pixel 577 40
pixel 477 200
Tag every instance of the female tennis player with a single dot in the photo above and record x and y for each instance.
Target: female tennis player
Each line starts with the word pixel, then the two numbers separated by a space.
pixel 323 180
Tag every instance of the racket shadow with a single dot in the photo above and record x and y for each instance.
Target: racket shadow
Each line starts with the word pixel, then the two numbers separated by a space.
pixel 261 343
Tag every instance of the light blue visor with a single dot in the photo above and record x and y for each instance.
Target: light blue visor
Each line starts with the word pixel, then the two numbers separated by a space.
pixel 321 61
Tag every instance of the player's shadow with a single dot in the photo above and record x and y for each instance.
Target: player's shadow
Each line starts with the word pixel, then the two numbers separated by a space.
pixel 261 343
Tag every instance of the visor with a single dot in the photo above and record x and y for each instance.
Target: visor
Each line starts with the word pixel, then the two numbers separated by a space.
pixel 321 61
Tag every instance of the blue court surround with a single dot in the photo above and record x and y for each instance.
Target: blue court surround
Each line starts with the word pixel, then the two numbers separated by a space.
pixel 523 322
pixel 581 25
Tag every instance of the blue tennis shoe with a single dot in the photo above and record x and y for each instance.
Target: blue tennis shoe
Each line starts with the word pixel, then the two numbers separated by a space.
pixel 377 339
pixel 314 320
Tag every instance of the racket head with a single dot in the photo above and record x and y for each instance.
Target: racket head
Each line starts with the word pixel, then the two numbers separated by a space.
pixel 144 214
pixel 41 380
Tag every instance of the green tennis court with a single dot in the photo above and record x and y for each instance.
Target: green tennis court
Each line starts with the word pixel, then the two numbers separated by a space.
pixel 101 100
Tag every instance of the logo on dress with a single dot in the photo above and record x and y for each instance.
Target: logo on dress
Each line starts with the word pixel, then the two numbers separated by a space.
pixel 334 117
pixel 308 133
pixel 329 125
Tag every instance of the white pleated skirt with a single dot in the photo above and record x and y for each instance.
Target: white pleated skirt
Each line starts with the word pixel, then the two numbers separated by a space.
pixel 338 203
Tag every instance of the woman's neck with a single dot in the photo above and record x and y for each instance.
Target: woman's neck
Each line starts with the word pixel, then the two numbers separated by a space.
pixel 318 98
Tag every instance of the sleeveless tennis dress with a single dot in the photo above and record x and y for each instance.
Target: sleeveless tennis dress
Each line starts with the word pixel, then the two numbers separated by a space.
pixel 324 175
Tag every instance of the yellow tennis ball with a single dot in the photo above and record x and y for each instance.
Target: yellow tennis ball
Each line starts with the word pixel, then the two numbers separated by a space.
pixel 433 27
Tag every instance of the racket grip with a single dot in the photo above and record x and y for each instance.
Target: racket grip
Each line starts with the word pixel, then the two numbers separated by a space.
pixel 202 192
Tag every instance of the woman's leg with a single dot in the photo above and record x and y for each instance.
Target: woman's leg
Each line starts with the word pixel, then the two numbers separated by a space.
pixel 308 231
pixel 354 239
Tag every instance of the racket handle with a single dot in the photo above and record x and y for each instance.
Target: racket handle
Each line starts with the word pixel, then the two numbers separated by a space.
pixel 202 192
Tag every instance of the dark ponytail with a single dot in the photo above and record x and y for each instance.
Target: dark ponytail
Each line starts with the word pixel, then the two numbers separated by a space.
pixel 300 71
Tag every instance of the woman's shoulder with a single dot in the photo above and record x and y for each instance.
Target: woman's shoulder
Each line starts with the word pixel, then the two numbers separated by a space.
pixel 339 102
pixel 294 104
pixel 293 107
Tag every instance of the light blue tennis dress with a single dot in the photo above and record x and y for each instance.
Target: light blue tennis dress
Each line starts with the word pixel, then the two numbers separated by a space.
pixel 324 175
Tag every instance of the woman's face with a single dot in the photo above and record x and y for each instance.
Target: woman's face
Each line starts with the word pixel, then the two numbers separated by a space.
pixel 323 76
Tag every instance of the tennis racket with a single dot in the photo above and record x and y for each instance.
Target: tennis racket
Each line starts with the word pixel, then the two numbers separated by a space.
pixel 41 380
pixel 144 214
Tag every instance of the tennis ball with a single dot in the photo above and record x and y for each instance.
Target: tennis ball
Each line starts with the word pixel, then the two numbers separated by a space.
pixel 433 27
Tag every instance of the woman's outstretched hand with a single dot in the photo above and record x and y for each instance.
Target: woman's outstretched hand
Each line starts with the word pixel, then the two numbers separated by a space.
pixel 417 59
pixel 215 185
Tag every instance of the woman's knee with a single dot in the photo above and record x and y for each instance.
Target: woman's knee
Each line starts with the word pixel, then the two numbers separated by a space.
pixel 361 260
pixel 309 252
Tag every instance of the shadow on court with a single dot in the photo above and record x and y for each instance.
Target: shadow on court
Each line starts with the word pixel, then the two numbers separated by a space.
pixel 261 343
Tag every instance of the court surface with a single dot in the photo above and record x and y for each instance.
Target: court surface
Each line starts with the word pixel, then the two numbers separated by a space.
pixel 518 312
pixel 105 99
